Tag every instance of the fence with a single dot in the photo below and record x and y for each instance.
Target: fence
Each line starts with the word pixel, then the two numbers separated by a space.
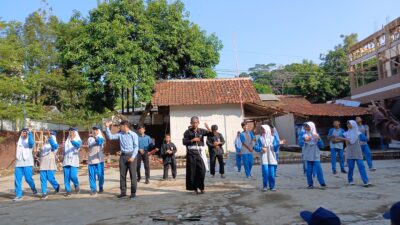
pixel 8 125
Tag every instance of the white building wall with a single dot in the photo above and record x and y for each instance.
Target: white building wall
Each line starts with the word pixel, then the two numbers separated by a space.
pixel 226 116
pixel 285 126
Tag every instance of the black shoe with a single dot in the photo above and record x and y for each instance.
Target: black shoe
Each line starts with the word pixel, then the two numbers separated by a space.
pixel 334 172
pixel 93 193
pixel 77 190
pixel 310 187
pixel 101 190
pixel 121 195
pixel 68 194
pixel 147 181
pixel 323 185
pixel 344 171
pixel 138 180
pixel 35 192
pixel 57 190
pixel 132 196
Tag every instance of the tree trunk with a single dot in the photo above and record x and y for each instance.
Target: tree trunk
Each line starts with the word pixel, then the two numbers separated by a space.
pixel 133 99
pixel 145 114
pixel 127 100
pixel 122 101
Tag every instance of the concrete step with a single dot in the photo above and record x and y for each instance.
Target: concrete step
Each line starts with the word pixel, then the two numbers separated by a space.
pixel 394 144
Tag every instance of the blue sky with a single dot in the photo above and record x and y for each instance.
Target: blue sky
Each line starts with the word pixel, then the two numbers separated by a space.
pixel 264 31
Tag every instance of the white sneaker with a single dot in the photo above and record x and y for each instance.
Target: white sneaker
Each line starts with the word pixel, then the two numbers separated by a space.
pixel 17 199
pixel 265 189
pixel 351 183
pixel 273 189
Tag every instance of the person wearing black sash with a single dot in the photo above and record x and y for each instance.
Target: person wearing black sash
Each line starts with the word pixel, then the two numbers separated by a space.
pixel 193 138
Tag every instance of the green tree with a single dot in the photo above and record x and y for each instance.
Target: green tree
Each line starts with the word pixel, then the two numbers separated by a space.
pixel 262 88
pixel 334 63
pixel 124 45
pixel 309 80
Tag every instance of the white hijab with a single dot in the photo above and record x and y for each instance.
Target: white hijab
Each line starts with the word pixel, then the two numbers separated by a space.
pixel 68 147
pixel 92 140
pixel 268 158
pixel 353 133
pixel 23 150
pixel 47 147
pixel 266 137
pixel 312 133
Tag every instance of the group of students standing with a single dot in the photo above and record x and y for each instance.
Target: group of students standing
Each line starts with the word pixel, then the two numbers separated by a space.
pixel 130 160
pixel 48 166
pixel 135 147
pixel 350 145
pixel 267 144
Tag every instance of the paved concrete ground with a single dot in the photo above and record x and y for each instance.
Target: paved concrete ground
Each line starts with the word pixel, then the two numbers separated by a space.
pixel 235 200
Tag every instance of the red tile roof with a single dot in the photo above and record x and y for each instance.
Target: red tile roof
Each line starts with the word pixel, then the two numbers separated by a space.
pixel 204 92
pixel 298 105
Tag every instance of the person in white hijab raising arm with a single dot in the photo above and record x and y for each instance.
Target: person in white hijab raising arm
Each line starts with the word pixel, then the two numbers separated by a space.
pixel 311 154
pixel 96 160
pixel 265 146
pixel 24 163
pixel 48 164
pixel 71 161
pixel 354 153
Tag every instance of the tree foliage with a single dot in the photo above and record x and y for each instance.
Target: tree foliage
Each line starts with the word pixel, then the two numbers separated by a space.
pixel 81 66
pixel 317 82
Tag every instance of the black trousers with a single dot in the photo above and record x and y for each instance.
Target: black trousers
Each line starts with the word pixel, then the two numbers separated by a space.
pixel 124 167
pixel 145 159
pixel 213 159
pixel 195 172
pixel 171 164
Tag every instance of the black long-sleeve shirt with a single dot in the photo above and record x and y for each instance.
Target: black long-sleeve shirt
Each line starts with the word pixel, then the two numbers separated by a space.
pixel 190 134
pixel 168 158
pixel 210 143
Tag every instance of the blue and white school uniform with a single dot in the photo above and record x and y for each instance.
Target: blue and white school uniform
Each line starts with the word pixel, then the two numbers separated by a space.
pixel 96 162
pixel 276 142
pixel 71 161
pixel 238 147
pixel 311 154
pixel 366 151
pixel 268 159
pixel 247 156
pixel 24 164
pixel 354 153
pixel 336 148
pixel 48 164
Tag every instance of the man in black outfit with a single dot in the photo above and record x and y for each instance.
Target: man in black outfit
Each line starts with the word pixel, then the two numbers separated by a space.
pixel 215 143
pixel 193 138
